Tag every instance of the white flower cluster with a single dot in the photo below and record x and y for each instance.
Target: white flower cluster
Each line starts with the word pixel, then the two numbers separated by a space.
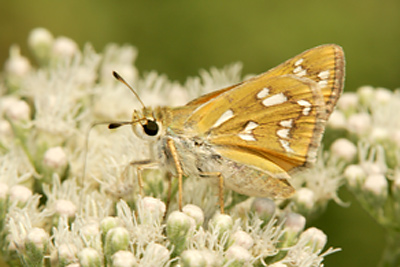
pixel 60 195
pixel 370 148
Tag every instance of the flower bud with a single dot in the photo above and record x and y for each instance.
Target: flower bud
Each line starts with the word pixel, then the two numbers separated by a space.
pixel 116 239
pixel 316 238
pixel 265 208
pixel 355 175
pixel 67 253
pixel 55 158
pixel 294 224
pixel 38 237
pixel 222 223
pixel 16 109
pixel 124 258
pixel 20 194
pixel 65 207
pixel 155 254
pixel 108 223
pixel 64 47
pixel 348 101
pixel 193 258
pixel 359 123
pixel 178 226
pixel 377 186
pixel 305 199
pixel 243 239
pixel 89 257
pixel 383 95
pixel 90 229
pixel 239 254
pixel 16 67
pixel 40 42
pixel 337 120
pixel 194 212
pixel 153 209
pixel 366 95
pixel 344 149
pixel 36 245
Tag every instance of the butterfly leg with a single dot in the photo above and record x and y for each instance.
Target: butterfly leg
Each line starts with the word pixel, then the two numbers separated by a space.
pixel 221 186
pixel 140 165
pixel 179 170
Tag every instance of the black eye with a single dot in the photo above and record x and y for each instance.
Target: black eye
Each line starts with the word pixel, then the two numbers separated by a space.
pixel 150 128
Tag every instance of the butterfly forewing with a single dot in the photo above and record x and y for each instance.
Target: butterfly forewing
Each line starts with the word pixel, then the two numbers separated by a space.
pixel 323 64
pixel 282 126
pixel 275 120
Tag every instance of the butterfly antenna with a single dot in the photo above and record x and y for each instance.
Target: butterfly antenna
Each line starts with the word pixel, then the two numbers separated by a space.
pixel 119 78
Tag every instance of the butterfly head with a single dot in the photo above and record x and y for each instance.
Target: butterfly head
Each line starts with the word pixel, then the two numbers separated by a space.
pixel 147 124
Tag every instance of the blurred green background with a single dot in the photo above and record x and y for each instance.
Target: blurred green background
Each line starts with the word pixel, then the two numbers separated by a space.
pixel 180 37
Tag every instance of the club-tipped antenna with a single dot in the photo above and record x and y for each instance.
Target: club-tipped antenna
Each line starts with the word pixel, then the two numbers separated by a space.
pixel 119 78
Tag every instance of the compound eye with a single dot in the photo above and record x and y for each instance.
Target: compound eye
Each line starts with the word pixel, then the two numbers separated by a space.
pixel 150 128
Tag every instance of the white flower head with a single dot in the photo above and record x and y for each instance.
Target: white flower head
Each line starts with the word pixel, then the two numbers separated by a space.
pixel 337 120
pixel 377 184
pixel 40 42
pixel 39 237
pixel 195 212
pixel 16 109
pixel 65 208
pixel 243 239
pixel 193 258
pixel 55 157
pixel 238 254
pixel 355 175
pixel 344 149
pixel 16 67
pixel 20 193
pixel 305 198
pixel 295 222
pixel 89 257
pixel 348 101
pixel 359 123
pixel 124 258
pixel 64 47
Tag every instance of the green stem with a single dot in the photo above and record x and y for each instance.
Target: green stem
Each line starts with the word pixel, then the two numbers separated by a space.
pixel 391 254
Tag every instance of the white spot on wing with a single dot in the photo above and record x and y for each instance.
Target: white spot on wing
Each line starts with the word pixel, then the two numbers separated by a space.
pixel 263 93
pixel 247 137
pixel 323 83
pixel 283 133
pixel 224 117
pixel 247 133
pixel 250 126
pixel 286 123
pixel 285 145
pixel 299 71
pixel 323 75
pixel 298 62
pixel 274 100
pixel 306 105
